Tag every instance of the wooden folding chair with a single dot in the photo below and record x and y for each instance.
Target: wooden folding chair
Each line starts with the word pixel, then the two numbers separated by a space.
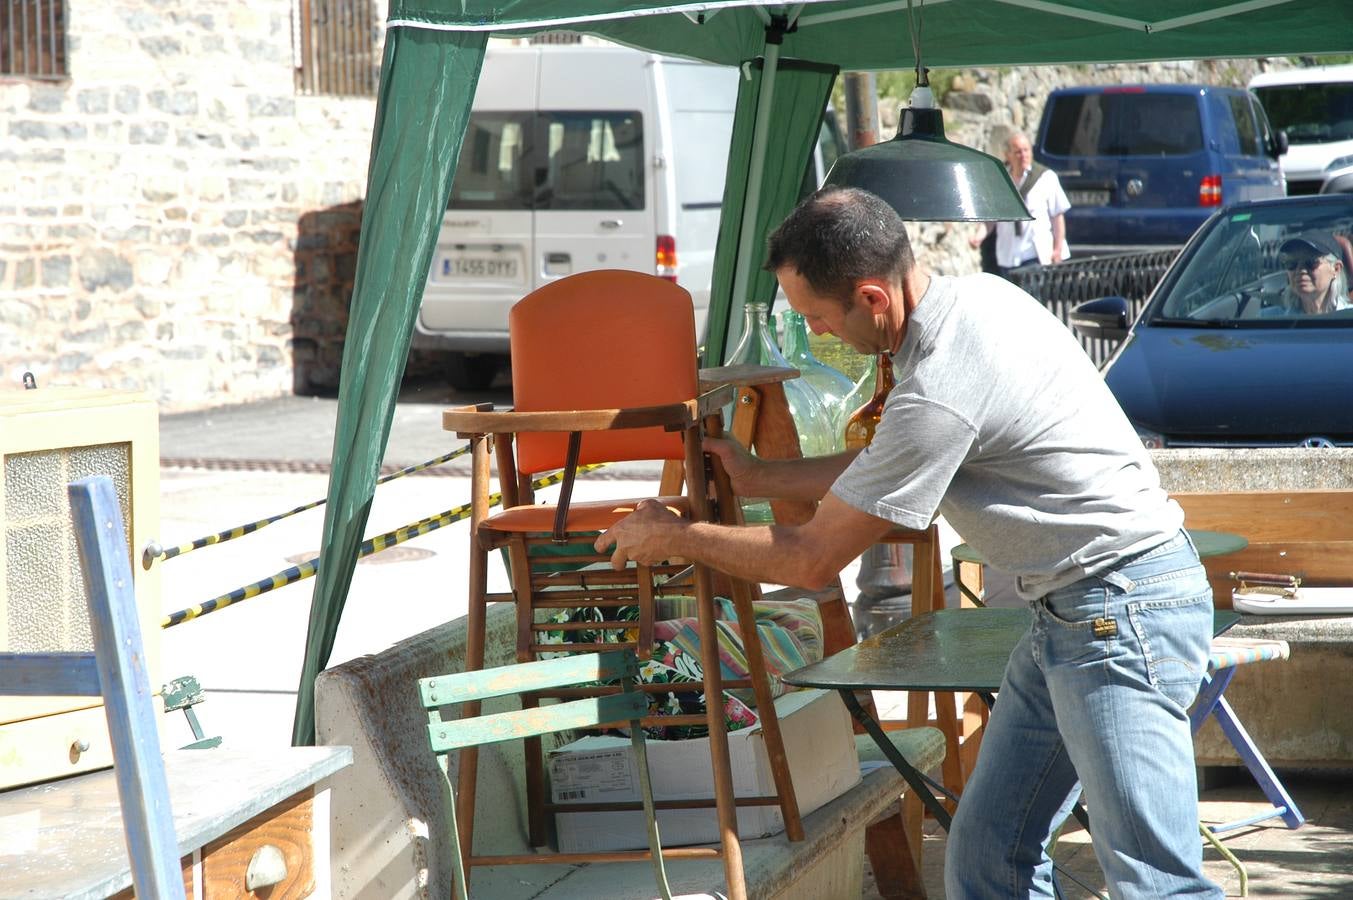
pixel 115 670
pixel 628 706
pixel 604 370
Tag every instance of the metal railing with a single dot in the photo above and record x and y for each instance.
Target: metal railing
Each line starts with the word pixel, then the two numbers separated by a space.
pixel 1063 286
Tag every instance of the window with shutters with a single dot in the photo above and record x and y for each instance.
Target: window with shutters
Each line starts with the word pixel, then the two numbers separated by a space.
pixel 335 47
pixel 33 39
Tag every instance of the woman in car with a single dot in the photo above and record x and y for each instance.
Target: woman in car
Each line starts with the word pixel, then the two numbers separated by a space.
pixel 1316 280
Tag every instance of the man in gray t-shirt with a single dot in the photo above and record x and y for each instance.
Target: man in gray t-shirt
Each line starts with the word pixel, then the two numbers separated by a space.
pixel 1000 422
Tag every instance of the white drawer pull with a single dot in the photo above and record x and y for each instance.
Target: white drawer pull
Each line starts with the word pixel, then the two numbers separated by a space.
pixel 268 867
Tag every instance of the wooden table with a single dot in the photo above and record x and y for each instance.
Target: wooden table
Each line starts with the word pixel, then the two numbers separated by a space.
pixel 944 650
pixel 64 838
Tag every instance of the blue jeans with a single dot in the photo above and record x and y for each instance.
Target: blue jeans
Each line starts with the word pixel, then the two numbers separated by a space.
pixel 1095 695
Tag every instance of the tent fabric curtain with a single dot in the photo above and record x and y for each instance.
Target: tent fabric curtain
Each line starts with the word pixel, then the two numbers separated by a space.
pixel 427 83
pixel 799 96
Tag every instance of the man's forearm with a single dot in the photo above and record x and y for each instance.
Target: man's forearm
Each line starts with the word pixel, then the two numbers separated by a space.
pixel 773 554
pixel 797 479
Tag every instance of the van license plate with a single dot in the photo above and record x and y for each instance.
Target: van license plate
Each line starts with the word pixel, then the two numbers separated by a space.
pixel 1088 198
pixel 453 267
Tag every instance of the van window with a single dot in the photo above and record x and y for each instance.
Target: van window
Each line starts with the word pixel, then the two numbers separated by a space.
pixel 551 161
pixel 496 162
pixel 1246 133
pixel 1310 113
pixel 1124 124
pixel 593 161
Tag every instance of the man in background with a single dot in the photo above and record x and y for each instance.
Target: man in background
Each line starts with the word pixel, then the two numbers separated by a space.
pixel 1043 240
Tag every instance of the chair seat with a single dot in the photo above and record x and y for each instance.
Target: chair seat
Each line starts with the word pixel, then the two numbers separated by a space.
pixel 595 515
pixel 1230 652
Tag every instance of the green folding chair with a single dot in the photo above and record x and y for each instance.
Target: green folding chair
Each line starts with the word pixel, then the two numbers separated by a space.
pixel 627 705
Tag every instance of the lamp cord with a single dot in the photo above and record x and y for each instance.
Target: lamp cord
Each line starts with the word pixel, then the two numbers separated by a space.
pixel 921 76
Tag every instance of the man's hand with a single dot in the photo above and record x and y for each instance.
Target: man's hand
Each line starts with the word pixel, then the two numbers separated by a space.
pixel 643 536
pixel 740 465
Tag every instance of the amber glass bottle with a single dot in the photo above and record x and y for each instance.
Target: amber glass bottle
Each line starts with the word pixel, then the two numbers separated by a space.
pixel 861 424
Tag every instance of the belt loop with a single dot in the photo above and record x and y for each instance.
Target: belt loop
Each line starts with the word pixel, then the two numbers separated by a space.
pixel 1119 580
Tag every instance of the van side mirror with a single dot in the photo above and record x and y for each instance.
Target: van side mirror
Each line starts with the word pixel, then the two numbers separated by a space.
pixel 1105 318
pixel 1279 143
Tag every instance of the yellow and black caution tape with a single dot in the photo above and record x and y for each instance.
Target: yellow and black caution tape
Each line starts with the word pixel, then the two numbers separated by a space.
pixel 371 545
pixel 154 551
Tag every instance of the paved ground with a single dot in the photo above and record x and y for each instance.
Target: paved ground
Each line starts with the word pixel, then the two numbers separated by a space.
pixel 1314 861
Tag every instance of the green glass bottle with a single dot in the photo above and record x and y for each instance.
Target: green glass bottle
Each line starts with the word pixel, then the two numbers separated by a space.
pixel 833 386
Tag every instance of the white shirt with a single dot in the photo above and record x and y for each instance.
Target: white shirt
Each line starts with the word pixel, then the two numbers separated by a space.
pixel 1046 201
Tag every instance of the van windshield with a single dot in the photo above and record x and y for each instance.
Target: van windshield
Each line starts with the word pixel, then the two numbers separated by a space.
pixel 1126 123
pixel 1310 113
pixel 551 161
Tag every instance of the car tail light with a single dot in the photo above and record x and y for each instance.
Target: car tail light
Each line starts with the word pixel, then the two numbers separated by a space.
pixel 666 257
pixel 1209 191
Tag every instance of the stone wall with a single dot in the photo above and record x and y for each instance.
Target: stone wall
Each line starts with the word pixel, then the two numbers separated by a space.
pixel 983 107
pixel 152 204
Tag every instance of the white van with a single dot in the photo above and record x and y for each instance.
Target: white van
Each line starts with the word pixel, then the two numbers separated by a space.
pixel 575 158
pixel 1314 106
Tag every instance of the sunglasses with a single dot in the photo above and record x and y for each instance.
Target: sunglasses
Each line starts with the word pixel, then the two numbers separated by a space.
pixel 1310 264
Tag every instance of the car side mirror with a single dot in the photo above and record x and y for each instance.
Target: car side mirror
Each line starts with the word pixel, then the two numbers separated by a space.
pixel 1280 144
pixel 1105 318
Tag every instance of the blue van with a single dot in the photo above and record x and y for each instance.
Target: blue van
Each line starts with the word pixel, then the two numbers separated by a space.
pixel 1145 165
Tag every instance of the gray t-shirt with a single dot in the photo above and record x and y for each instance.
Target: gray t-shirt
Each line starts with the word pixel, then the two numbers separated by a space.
pixel 1000 422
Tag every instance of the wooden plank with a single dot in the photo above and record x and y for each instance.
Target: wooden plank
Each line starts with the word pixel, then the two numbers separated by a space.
pixel 533 722
pixel 44 674
pixel 1265 516
pixel 287 827
pixel 671 415
pixel 142 787
pixel 503 681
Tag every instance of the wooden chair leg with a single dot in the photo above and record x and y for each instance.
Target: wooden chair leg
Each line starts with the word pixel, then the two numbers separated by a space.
pixel 718 739
pixel 896 861
pixel 467 771
pixel 765 711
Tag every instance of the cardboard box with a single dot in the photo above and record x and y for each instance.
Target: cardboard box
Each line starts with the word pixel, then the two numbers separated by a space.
pixel 600 769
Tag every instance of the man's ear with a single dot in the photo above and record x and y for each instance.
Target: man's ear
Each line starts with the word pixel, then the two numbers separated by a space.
pixel 875 294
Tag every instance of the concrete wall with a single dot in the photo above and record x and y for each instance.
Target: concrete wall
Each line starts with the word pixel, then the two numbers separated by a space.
pixel 169 214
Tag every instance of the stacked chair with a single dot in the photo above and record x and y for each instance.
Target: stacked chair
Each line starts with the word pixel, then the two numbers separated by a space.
pixel 604 370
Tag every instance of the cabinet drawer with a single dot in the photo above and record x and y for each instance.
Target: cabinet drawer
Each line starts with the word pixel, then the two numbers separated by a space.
pixel 288 827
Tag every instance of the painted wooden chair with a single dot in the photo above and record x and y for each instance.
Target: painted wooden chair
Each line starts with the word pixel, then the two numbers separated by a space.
pixel 604 370
pixel 115 670
pixel 628 706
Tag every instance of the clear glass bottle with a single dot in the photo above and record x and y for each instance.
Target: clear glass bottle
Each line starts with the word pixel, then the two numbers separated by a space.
pixel 831 384
pixel 758 347
pixel 860 426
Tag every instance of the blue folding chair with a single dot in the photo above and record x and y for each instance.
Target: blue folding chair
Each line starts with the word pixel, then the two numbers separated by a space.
pixel 116 669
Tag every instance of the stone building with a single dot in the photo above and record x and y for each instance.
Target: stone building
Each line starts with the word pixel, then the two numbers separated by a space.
pixel 181 187
pixel 179 199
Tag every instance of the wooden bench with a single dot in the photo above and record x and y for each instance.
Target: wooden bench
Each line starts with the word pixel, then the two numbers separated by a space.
pixel 389 833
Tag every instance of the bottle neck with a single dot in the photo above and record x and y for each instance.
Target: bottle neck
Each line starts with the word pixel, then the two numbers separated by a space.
pixel 796 337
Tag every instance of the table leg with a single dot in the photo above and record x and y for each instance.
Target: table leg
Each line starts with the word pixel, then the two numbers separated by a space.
pixel 908 772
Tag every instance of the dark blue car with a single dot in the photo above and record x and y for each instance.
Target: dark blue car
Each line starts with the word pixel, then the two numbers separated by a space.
pixel 1145 165
pixel 1248 339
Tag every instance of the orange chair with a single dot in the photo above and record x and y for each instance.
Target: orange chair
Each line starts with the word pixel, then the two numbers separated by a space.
pixel 604 370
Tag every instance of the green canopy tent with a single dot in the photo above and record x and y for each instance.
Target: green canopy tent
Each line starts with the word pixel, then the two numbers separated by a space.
pixel 789 53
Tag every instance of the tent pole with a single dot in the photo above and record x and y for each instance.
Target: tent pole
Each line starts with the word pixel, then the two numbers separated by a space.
pixel 752 201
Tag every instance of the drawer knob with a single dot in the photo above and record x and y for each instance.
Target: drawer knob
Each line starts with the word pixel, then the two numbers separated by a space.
pixel 268 867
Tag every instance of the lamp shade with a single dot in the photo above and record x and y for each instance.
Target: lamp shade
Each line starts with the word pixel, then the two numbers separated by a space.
pixel 928 178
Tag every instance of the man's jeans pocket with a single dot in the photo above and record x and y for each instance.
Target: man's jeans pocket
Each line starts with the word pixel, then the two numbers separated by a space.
pixel 1175 641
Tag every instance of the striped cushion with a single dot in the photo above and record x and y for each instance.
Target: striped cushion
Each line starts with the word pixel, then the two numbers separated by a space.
pixel 1228 652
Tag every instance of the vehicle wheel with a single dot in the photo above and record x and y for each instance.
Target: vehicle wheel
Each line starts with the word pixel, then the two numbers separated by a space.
pixel 472 372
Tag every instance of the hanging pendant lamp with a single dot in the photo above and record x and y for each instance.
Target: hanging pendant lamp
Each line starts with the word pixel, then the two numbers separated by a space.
pixel 925 176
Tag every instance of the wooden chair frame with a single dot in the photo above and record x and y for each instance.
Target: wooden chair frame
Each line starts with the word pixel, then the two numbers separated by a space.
pixel 628 706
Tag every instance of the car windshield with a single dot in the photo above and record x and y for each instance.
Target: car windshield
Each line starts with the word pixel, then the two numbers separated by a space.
pixel 1267 265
